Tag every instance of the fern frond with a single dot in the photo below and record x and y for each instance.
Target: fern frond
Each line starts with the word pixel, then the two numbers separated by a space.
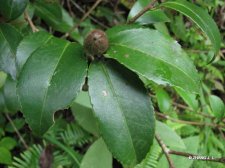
pixel 29 158
pixel 151 160
pixel 75 135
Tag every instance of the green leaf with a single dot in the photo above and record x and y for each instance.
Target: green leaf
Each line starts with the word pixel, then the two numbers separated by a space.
pixel 161 27
pixel 82 111
pixel 124 111
pixel 169 136
pixel 149 17
pixel 8 143
pixel 2 102
pixel 178 27
pixel 200 17
pixel 28 45
pixel 189 98
pixel 97 150
pixel 56 17
pixel 5 156
pixel 3 77
pixel 49 81
pixel 10 95
pixel 217 106
pixel 151 159
pixel 12 9
pixel 9 40
pixel 154 56
pixel 49 11
pixel 18 123
pixel 163 100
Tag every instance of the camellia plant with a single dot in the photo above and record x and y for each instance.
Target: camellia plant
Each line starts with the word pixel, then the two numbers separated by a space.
pixel 116 67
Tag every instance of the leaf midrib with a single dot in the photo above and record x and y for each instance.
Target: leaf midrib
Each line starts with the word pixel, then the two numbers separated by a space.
pixel 10 13
pixel 157 58
pixel 119 105
pixel 46 92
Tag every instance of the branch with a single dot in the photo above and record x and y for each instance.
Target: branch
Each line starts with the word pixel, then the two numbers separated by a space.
pixel 82 19
pixel 169 152
pixel 189 122
pixel 165 151
pixel 143 11
pixel 28 19
pixel 181 106
pixel 16 130
pixel 92 18
pixel 193 156
pixel 69 8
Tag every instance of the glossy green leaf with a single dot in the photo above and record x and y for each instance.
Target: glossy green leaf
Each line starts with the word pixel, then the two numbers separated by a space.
pixel 5 156
pixel 11 9
pixel 10 95
pixel 97 156
pixel 51 13
pixel 8 143
pixel 189 98
pixel 28 45
pixel 123 109
pixel 83 113
pixel 149 17
pixel 162 28
pixel 49 81
pixel 169 136
pixel 163 100
pixel 154 56
pixel 56 17
pixel 200 17
pixel 217 106
pixel 9 40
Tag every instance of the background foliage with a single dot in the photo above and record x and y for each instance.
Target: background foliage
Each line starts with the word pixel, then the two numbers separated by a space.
pixel 174 50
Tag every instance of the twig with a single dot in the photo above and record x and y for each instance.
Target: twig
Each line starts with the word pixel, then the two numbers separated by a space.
pixel 69 8
pixel 190 109
pixel 189 122
pixel 28 19
pixel 169 152
pixel 221 160
pixel 82 19
pixel 181 106
pixel 92 18
pixel 16 130
pixel 145 9
pixel 165 151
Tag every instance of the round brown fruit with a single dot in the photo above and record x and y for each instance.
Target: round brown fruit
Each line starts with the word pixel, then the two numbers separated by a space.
pixel 96 43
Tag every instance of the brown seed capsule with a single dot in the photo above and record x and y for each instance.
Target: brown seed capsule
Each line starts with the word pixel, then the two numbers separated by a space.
pixel 96 43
